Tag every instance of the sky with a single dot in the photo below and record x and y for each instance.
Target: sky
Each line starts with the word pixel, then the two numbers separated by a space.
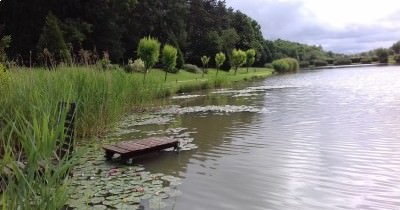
pixel 343 26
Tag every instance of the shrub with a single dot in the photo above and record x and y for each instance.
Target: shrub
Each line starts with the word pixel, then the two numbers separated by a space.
pixel 268 65
pixel 285 65
pixel 330 61
pixel 342 61
pixel 191 68
pixel 135 66
pixel 375 58
pixel 320 63
pixel 366 60
pixel 5 78
pixel 304 64
pixel 356 60
pixel 238 59
pixel 397 58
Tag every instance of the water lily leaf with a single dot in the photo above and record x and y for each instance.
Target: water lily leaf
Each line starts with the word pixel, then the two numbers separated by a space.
pixel 96 200
pixel 157 203
pixel 99 207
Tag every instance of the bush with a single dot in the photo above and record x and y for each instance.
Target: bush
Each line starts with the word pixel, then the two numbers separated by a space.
pixel 330 61
pixel 383 55
pixel 356 60
pixel 191 68
pixel 268 65
pixel 342 61
pixel 366 60
pixel 320 63
pixel 304 64
pixel 135 66
pixel 5 78
pixel 286 65
pixel 375 58
pixel 397 58
pixel 281 65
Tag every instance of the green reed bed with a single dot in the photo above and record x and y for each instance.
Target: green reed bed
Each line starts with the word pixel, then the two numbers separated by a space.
pixel 29 128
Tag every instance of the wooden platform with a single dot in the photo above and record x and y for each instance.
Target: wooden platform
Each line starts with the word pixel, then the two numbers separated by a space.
pixel 129 149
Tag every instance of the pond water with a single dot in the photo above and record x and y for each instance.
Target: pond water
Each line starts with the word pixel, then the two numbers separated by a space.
pixel 326 139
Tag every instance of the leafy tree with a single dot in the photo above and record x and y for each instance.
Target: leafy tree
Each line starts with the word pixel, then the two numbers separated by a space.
pixel 52 40
pixel 238 59
pixel 396 47
pixel 169 56
pixel 205 60
pixel 219 60
pixel 250 58
pixel 149 51
pixel 383 55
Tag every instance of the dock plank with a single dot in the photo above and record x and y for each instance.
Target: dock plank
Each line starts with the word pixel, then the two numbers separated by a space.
pixel 128 149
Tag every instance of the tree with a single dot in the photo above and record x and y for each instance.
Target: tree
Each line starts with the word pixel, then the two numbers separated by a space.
pixel 383 55
pixel 204 60
pixel 149 51
pixel 238 59
pixel 219 60
pixel 52 43
pixel 396 47
pixel 250 58
pixel 169 56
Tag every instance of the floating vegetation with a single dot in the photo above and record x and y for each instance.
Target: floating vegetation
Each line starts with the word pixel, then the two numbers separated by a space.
pixel 97 184
pixel 212 108
pixel 186 96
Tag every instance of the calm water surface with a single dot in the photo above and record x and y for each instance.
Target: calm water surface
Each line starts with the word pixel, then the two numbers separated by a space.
pixel 327 139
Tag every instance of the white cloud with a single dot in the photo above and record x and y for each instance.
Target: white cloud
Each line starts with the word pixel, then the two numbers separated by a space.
pixel 346 26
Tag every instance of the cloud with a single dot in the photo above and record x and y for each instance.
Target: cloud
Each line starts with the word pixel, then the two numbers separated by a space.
pixel 298 21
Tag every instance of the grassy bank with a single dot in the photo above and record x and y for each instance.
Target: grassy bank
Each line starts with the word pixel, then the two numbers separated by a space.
pixel 28 101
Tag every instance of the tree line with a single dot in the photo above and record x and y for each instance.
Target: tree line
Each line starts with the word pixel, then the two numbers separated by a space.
pixel 84 31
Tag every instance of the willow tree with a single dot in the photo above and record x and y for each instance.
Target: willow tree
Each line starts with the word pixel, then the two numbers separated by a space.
pixel 250 58
pixel 238 59
pixel 219 60
pixel 169 56
pixel 205 60
pixel 149 51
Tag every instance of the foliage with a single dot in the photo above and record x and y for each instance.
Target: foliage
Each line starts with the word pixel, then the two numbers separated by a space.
pixel 342 61
pixel 269 66
pixel 304 64
pixel 320 63
pixel 238 59
pixel 5 80
pixel 149 51
pixel 285 65
pixel 219 60
pixel 397 58
pixel 205 60
pixel 52 41
pixel 396 47
pixel 366 60
pixel 355 59
pixel 135 66
pixel 5 42
pixel 250 58
pixel 383 55
pixel 191 68
pixel 169 56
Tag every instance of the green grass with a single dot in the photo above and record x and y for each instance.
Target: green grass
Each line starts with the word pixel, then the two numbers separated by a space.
pixel 28 132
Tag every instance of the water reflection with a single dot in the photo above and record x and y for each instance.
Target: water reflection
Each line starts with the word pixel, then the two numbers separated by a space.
pixel 328 141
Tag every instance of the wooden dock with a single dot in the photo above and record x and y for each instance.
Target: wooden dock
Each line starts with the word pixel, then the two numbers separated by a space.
pixel 129 149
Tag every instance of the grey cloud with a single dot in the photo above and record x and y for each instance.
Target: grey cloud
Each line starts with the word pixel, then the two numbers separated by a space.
pixel 290 21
